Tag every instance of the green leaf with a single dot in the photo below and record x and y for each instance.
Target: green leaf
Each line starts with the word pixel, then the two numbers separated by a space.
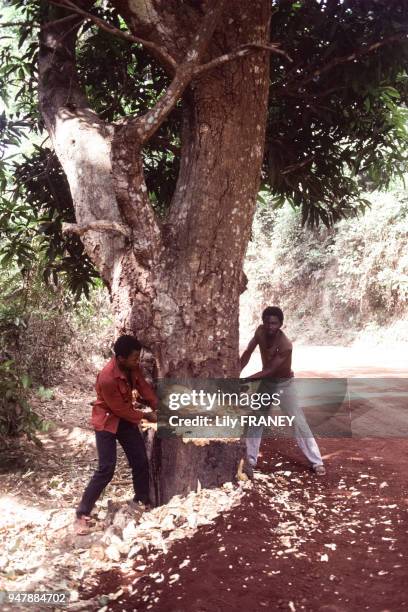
pixel 26 381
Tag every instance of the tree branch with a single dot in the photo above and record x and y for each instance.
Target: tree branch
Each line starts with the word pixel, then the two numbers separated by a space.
pixel 301 164
pixel 83 143
pixel 10 24
pixel 241 52
pixel 349 58
pixel 130 186
pixel 96 226
pixel 51 24
pixel 158 51
pixel 307 96
pixel 146 125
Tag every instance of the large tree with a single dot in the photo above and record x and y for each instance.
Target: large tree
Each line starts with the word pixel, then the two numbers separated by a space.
pixel 158 114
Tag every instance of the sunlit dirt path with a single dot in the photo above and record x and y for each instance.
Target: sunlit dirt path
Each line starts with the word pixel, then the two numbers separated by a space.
pixel 349 361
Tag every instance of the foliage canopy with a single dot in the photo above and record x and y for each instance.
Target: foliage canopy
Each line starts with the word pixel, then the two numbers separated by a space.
pixel 337 118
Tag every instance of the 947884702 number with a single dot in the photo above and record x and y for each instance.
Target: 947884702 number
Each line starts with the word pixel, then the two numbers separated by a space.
pixel 50 598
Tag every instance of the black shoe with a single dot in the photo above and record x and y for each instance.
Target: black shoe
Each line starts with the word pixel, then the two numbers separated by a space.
pixel 141 505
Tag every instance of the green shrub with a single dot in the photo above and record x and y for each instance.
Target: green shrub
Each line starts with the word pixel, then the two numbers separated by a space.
pixel 16 416
pixel 34 330
pixel 34 335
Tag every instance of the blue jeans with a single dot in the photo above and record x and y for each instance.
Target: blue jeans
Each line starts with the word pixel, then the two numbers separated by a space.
pixel 130 438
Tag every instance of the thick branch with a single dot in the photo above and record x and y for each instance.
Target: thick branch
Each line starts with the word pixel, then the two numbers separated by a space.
pixel 130 186
pixel 146 125
pixel 81 141
pixel 169 24
pixel 96 226
pixel 158 51
pixel 241 52
pixel 58 81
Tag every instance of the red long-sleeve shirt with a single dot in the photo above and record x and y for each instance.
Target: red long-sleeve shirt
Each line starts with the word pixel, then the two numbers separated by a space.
pixel 114 397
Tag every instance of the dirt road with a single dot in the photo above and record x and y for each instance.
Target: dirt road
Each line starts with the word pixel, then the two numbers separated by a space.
pixel 344 361
pixel 296 542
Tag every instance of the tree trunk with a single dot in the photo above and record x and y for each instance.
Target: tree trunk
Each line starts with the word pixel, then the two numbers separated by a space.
pixel 176 284
pixel 180 466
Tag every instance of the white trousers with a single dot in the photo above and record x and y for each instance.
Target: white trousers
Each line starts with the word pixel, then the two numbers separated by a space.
pixel 289 405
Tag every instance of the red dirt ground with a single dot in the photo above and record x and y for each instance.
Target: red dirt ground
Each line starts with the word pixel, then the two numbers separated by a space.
pixel 361 507
pixel 368 570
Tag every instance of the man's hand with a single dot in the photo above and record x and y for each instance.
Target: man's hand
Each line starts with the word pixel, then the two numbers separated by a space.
pixel 149 420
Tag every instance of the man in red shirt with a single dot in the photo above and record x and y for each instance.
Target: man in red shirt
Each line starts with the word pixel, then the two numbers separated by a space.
pixel 115 418
pixel 276 354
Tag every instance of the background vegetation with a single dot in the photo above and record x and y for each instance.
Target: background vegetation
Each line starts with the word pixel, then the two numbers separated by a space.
pixel 333 283
pixel 44 332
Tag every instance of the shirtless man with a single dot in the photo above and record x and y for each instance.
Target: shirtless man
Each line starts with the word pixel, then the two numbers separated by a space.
pixel 276 354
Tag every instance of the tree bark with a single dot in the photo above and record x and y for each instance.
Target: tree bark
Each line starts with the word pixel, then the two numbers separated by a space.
pixel 175 284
